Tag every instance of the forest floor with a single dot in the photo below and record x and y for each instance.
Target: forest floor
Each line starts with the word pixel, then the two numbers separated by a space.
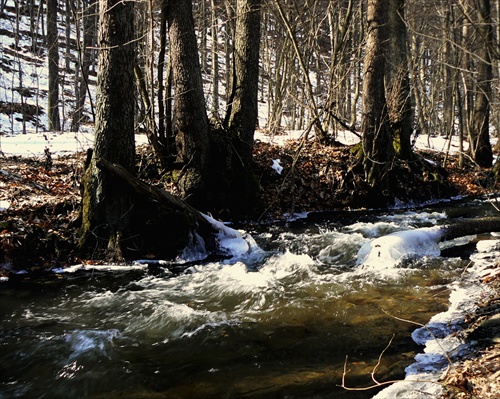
pixel 40 199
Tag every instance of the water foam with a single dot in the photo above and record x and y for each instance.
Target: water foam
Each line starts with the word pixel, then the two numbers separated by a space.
pixel 86 341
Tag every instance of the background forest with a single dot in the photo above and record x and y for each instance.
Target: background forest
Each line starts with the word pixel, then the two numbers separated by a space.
pixel 311 62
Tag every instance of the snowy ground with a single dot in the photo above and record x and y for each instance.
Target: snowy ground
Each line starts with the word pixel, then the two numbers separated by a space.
pixel 33 144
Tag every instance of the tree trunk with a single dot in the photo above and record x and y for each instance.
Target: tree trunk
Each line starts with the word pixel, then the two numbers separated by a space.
pixel 398 81
pixel 242 117
pixel 107 205
pixel 165 224
pixel 447 71
pixel 53 60
pixel 191 126
pixel 235 163
pixel 67 55
pixel 162 52
pixel 480 140
pixel 228 47
pixel 378 149
pixel 215 61
pixel 84 61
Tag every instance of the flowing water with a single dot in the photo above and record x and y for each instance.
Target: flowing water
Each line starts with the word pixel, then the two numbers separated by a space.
pixel 290 318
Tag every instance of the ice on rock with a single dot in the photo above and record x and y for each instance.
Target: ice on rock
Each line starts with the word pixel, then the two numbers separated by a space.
pixel 388 251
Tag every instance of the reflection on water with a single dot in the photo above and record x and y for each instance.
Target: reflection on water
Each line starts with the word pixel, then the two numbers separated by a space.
pixel 278 323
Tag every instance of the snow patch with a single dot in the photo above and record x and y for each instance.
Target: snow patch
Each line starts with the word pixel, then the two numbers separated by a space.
pixel 4 205
pixel 35 144
pixel 106 268
pixel 235 243
pixel 277 166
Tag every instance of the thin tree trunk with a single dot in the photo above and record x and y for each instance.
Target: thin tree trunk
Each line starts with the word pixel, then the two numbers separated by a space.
pixel 53 61
pixel 84 61
pixel 480 143
pixel 67 56
pixel 161 73
pixel 215 62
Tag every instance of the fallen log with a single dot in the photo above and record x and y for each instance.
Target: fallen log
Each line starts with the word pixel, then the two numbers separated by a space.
pixel 164 223
pixel 467 227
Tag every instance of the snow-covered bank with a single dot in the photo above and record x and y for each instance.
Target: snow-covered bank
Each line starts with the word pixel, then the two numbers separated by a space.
pixel 441 344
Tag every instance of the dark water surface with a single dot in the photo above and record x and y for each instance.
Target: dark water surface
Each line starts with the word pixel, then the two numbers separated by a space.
pixel 280 322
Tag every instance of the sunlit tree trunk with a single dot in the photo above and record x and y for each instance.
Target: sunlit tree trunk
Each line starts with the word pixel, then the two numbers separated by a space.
pixel 378 150
pixel 107 206
pixel 243 111
pixel 447 70
pixel 215 60
pixel 480 140
pixel 53 61
pixel 228 46
pixel 84 61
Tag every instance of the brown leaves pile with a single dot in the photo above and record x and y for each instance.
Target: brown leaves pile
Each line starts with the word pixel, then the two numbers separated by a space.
pixel 314 177
pixel 36 230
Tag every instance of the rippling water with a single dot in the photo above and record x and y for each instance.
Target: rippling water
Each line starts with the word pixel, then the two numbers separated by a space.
pixel 286 320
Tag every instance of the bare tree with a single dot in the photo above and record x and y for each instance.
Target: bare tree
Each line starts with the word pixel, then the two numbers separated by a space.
pixel 191 126
pixel 480 140
pixel 398 81
pixel 89 17
pixel 107 205
pixel 378 150
pixel 53 61
pixel 242 111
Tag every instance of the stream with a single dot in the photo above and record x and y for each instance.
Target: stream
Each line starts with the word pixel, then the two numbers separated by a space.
pixel 291 315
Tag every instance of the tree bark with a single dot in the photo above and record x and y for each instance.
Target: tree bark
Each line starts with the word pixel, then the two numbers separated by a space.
pixel 53 61
pixel 84 61
pixel 378 150
pixel 243 109
pixel 398 81
pixel 191 127
pixel 232 151
pixel 107 206
pixel 215 61
pixel 480 140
